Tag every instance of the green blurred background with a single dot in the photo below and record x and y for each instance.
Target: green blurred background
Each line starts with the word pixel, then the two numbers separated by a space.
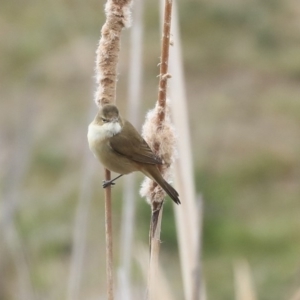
pixel 242 67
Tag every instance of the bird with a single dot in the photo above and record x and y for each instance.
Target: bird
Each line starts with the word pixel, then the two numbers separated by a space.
pixel 120 148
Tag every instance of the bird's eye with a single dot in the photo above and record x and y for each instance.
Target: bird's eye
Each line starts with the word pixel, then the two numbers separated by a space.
pixel 104 120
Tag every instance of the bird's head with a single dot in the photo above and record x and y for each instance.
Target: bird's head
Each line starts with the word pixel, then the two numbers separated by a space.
pixel 109 113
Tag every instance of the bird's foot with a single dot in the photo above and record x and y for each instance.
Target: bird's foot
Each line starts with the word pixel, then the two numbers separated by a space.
pixel 106 183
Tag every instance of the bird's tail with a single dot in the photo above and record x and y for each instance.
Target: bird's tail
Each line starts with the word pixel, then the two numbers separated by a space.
pixel 155 175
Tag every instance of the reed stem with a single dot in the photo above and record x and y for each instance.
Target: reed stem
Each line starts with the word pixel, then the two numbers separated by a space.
pixel 157 207
pixel 108 239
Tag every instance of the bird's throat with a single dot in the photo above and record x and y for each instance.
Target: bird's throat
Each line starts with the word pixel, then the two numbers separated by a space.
pixel 97 133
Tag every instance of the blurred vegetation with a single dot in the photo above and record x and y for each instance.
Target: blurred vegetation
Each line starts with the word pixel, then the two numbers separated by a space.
pixel 242 66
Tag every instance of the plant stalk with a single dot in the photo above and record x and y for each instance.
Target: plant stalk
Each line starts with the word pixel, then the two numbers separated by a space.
pixel 108 239
pixel 107 55
pixel 157 207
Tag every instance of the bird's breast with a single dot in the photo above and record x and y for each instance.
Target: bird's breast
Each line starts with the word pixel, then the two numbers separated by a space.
pixel 99 135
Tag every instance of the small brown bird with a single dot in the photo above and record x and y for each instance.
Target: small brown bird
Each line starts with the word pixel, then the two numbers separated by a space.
pixel 121 149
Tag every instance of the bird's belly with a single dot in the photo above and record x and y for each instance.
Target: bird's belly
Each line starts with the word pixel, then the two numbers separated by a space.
pixel 112 160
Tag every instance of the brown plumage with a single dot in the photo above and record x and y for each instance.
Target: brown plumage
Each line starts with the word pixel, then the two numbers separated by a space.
pixel 121 149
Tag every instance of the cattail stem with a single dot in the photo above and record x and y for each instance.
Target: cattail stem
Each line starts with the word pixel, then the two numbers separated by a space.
pixel 157 207
pixel 117 18
pixel 164 61
pixel 163 78
pixel 108 239
pixel 155 228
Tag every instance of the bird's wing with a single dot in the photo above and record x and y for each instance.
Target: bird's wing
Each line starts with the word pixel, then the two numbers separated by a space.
pixel 130 144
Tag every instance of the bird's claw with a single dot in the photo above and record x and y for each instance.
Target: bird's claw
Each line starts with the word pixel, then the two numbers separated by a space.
pixel 105 183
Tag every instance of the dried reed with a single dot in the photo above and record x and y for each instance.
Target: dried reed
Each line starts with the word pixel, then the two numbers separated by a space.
pixel 189 215
pixel 162 290
pixel 244 286
pixel 80 224
pixel 296 296
pixel 12 197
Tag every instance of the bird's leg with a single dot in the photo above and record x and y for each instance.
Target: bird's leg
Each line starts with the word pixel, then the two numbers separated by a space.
pixel 107 183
